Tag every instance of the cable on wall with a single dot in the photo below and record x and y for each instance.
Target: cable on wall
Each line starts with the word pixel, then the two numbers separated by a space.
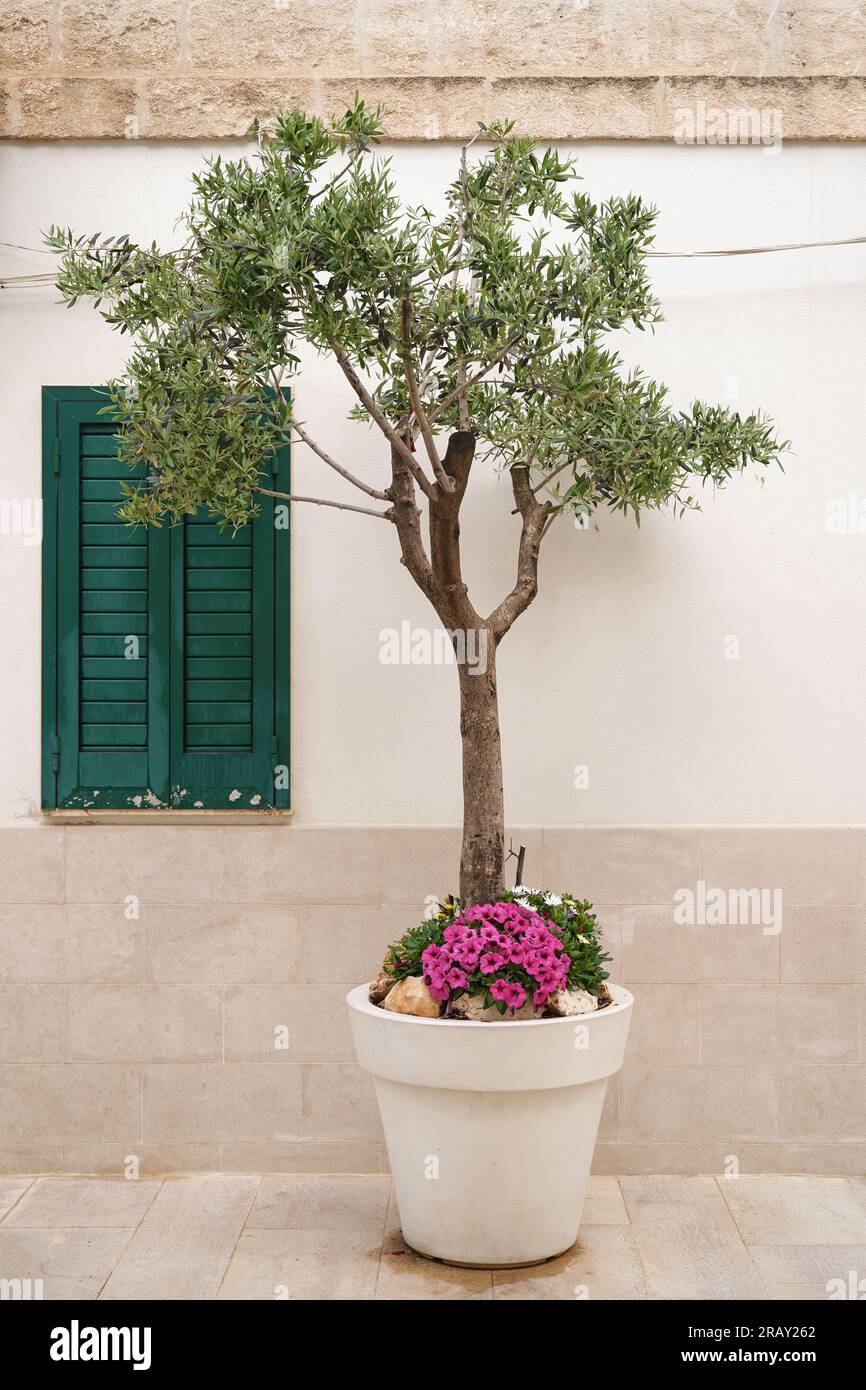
pixel 762 250
pixel 46 278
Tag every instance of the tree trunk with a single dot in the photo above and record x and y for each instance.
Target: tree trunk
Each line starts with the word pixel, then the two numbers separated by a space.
pixel 482 856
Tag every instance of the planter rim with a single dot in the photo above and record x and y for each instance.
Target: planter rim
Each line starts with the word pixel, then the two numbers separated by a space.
pixel 358 999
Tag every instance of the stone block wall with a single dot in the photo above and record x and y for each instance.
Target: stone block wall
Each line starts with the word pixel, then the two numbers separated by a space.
pixel 565 69
pixel 150 975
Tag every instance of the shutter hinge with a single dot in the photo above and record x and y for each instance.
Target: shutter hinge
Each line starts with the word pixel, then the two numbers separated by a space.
pixel 55 754
pixel 56 456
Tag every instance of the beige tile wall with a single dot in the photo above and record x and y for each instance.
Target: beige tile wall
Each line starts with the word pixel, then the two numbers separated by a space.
pixel 175 994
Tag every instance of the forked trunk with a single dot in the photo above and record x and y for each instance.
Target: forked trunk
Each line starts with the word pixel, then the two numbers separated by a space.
pixel 482 854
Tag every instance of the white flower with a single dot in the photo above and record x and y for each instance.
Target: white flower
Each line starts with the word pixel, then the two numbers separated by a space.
pixel 521 892
pixel 553 899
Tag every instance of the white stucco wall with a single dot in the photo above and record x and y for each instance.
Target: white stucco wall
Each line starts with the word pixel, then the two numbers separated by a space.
pixel 620 664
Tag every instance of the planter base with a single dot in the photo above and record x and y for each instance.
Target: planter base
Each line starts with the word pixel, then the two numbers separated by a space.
pixel 469 1264
pixel 490 1127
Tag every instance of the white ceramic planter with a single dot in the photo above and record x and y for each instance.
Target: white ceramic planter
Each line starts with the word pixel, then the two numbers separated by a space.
pixel 490 1127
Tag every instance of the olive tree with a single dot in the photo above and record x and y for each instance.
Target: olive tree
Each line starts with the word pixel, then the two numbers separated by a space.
pixel 471 338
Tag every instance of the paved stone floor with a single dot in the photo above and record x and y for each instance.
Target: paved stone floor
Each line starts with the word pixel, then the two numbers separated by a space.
pixel 338 1237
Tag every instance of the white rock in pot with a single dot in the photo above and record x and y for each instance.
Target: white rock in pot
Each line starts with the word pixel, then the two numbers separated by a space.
pixel 568 1002
pixel 471 1007
pixel 411 996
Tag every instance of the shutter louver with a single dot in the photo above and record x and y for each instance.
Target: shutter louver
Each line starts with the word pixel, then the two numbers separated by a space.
pixel 218 628
pixel 114 589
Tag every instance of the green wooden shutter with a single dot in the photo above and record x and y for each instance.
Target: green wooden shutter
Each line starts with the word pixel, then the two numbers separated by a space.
pixel 105 627
pixel 165 666
pixel 224 743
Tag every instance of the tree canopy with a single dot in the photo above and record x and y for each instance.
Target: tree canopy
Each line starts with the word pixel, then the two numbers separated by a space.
pixel 491 319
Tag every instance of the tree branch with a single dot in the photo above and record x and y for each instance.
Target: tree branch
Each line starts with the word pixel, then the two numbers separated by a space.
pixel 415 396
pixel 323 502
pixel 407 519
pixel 332 182
pixel 445 535
pixel 384 423
pixel 462 403
pixel 535 519
pixel 338 468
pixel 548 479
pixel 460 390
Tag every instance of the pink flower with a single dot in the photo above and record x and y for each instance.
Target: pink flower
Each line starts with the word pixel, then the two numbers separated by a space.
pixel 491 962
pixel 515 996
